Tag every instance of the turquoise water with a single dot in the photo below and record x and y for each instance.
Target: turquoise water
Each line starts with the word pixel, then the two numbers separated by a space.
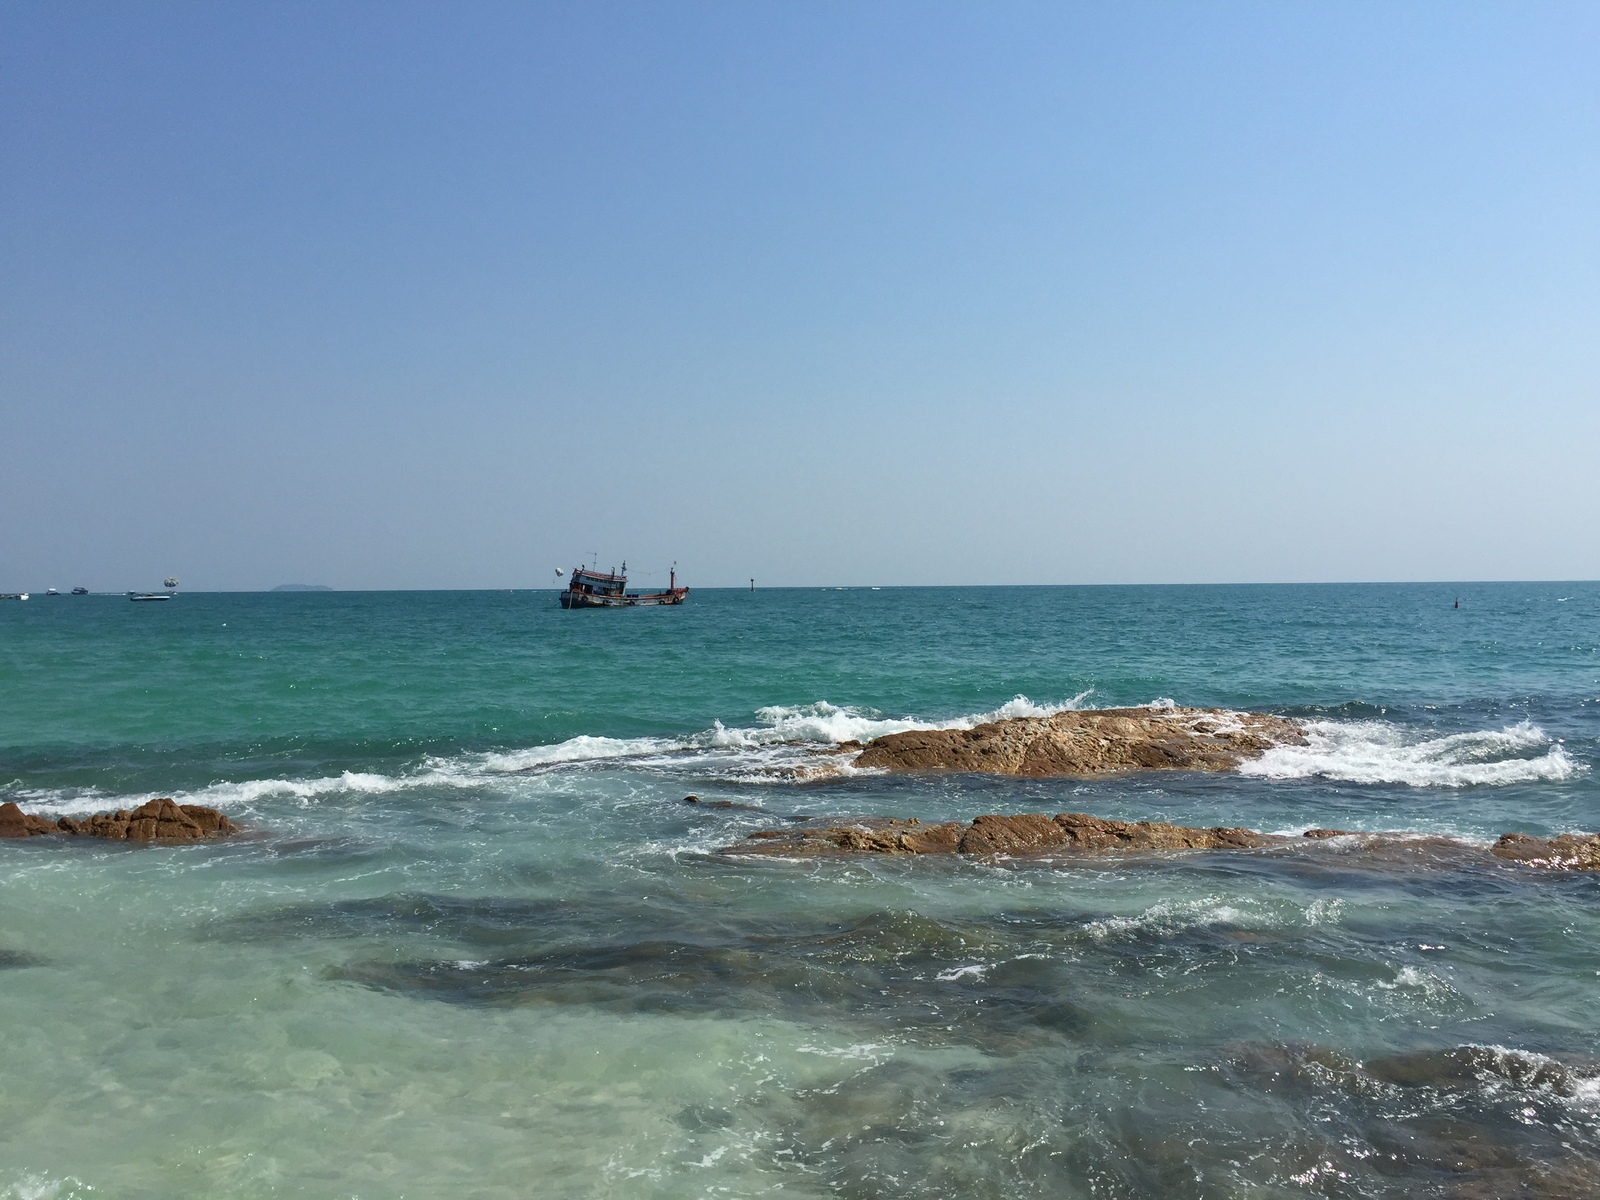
pixel 478 946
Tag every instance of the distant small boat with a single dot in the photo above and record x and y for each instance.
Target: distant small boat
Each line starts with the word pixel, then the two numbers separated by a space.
pixel 13 595
pixel 149 596
pixel 604 589
pixel 51 592
pixel 80 591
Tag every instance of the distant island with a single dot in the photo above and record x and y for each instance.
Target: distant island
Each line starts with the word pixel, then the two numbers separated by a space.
pixel 302 587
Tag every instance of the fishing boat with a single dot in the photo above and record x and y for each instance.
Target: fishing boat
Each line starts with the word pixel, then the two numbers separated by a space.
pixel 590 588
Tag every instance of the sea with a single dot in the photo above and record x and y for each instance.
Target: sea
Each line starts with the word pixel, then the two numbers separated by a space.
pixel 474 943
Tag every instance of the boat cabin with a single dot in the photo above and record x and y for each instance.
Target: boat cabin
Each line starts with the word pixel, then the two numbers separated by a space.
pixel 596 583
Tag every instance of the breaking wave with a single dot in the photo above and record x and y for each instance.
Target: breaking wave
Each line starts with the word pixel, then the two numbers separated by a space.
pixel 78 802
pixel 804 728
pixel 794 742
pixel 1168 919
pixel 789 742
pixel 1498 1074
pixel 1381 752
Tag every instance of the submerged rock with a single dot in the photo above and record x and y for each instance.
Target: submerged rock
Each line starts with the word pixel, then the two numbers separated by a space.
pixel 722 804
pixel 1027 834
pixel 160 820
pixel 1469 1122
pixel 1569 852
pixel 1038 835
pixel 1094 742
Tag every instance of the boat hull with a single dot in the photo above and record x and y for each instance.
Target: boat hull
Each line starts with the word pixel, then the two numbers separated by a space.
pixel 571 599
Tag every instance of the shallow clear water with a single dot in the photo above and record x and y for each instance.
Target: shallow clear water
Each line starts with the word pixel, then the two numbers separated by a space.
pixel 477 946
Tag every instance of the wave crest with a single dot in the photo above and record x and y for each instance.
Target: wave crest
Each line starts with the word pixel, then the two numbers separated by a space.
pixel 790 742
pixel 1381 752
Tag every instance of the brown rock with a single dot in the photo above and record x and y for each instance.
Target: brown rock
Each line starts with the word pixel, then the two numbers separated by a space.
pixel 14 823
pixel 1095 833
pixel 1030 834
pixel 1037 835
pixel 1569 852
pixel 1089 743
pixel 153 821
pixel 873 835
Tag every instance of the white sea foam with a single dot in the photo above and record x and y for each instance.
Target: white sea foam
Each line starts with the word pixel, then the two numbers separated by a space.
pixel 1382 752
pixel 804 728
pixel 574 750
pixel 1166 919
pixel 874 1052
pixel 1326 911
pixel 1504 1072
pixel 242 793
pixel 29 1186
pixel 1410 977
pixel 827 723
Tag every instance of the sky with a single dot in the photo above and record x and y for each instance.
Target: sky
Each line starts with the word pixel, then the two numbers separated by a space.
pixel 448 295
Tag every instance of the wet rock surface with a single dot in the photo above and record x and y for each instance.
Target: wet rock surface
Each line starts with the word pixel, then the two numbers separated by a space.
pixel 14 823
pixel 1024 834
pixel 1091 742
pixel 1465 1121
pixel 160 820
pixel 1569 852
pixel 1036 835
pixel 725 805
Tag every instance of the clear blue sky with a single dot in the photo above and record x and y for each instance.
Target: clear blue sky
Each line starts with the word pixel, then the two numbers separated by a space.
pixel 447 295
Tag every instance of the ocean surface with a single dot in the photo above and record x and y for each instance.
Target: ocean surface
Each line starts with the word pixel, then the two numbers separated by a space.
pixel 476 945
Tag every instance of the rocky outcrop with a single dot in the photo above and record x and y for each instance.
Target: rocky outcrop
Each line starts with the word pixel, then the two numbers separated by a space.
pixel 154 821
pixel 1095 742
pixel 1027 834
pixel 14 823
pixel 1569 852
